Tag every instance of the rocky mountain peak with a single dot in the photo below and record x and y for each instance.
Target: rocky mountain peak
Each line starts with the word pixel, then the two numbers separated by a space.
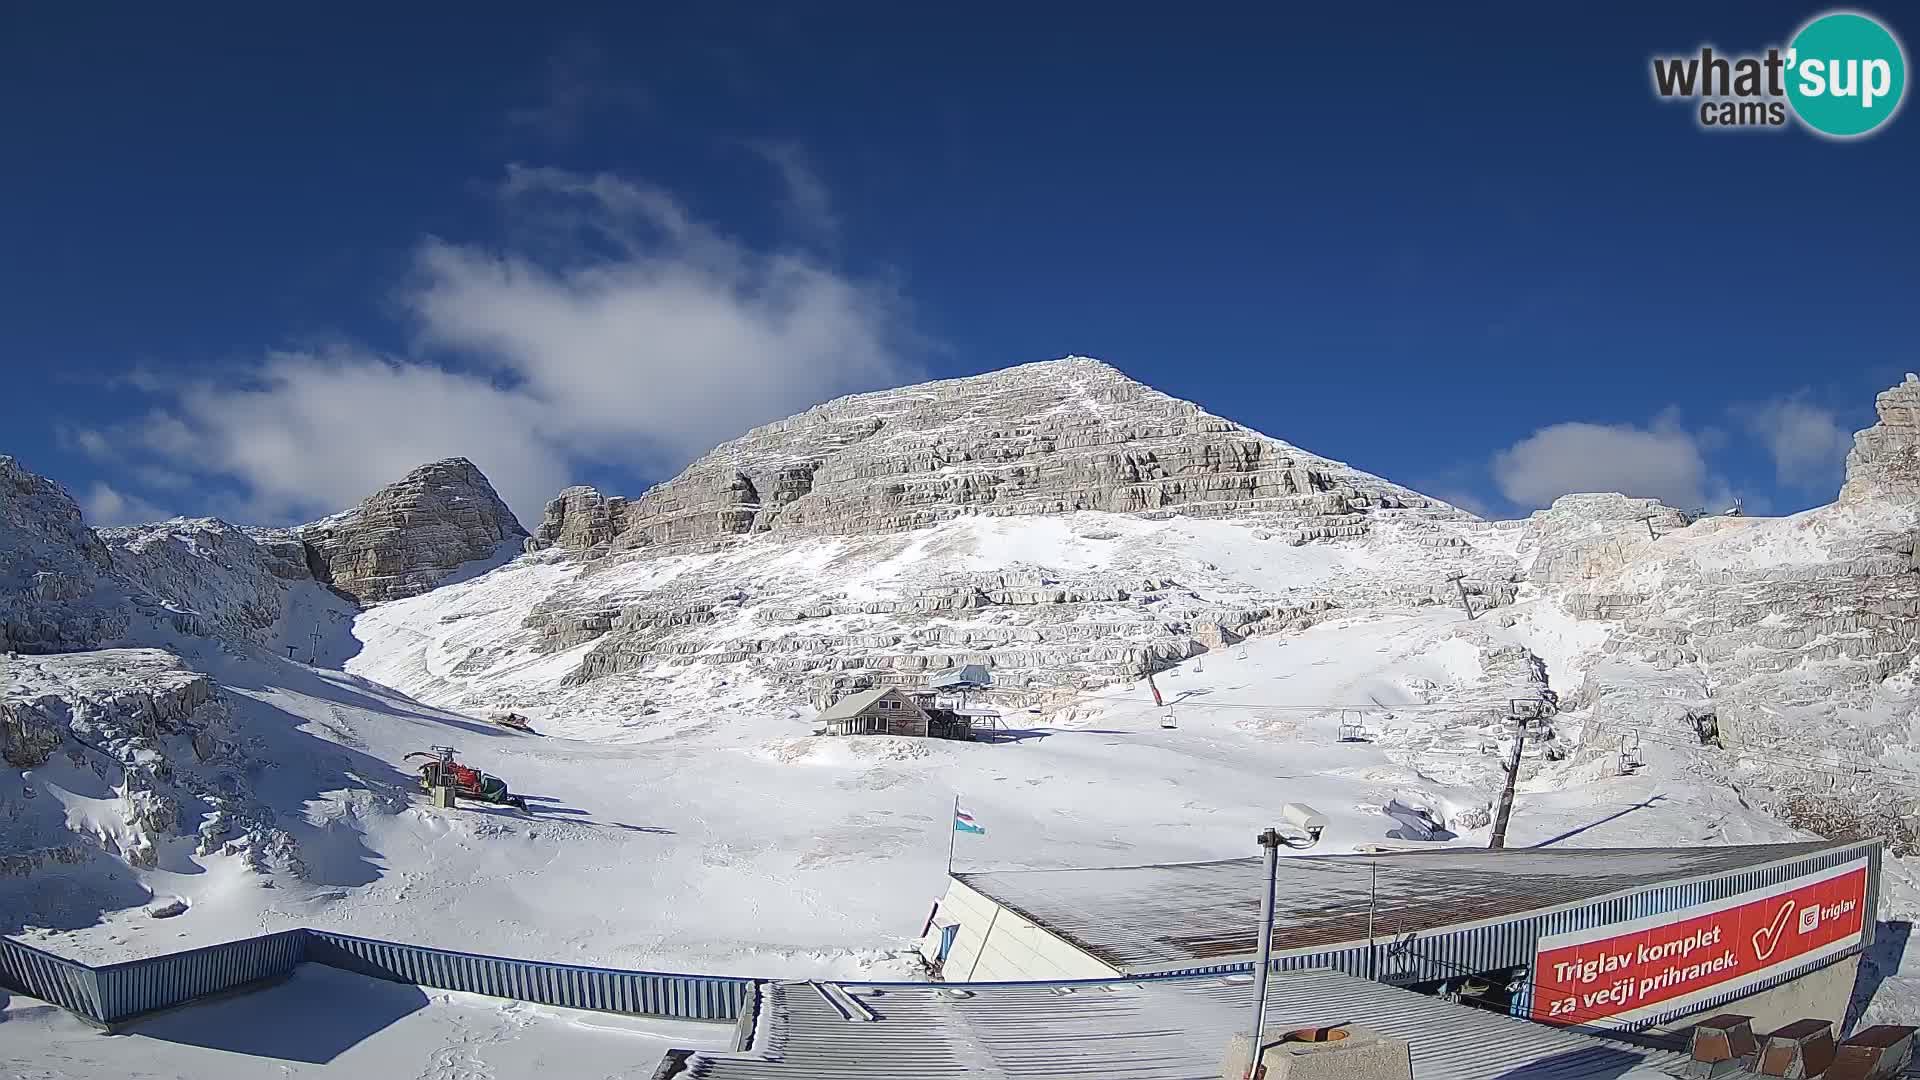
pixel 406 537
pixel 1885 460
pixel 53 568
pixel 1045 438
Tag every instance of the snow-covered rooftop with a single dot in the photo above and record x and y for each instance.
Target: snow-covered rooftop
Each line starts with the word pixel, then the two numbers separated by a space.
pixel 321 1020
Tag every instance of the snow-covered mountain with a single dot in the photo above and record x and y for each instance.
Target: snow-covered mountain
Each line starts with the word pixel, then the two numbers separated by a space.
pixel 1058 522
pixel 196 711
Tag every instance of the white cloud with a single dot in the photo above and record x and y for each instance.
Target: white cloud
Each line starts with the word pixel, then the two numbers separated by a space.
pixel 809 205
pixel 639 342
pixel 105 506
pixel 1662 461
pixel 309 433
pixel 1807 443
pixel 687 338
pixel 88 441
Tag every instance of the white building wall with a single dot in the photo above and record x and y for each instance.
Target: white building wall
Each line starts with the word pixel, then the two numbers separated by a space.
pixel 994 944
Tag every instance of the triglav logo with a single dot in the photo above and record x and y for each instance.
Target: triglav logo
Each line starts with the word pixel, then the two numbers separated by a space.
pixel 1842 75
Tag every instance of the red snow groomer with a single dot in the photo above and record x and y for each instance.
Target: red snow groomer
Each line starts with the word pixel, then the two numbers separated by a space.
pixel 467 783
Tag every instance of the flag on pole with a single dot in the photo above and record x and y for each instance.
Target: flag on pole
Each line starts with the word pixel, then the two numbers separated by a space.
pixel 963 822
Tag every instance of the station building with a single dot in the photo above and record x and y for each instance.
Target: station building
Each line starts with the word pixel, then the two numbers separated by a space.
pixel 1603 938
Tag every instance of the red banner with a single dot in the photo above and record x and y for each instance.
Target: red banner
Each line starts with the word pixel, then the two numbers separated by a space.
pixel 1612 975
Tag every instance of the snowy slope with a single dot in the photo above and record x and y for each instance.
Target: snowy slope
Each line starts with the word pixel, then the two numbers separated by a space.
pixel 683 817
pixel 741 845
pixel 1055 605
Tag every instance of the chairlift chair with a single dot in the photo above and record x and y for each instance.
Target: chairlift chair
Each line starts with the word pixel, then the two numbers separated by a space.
pixel 1351 729
pixel 1167 721
pixel 1630 756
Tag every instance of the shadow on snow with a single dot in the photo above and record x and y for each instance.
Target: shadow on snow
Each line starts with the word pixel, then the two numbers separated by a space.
pixel 336 1012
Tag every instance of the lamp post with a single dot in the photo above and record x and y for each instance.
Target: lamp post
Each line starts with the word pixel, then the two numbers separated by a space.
pixel 1270 840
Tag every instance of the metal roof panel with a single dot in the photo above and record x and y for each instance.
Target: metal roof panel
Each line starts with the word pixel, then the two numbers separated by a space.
pixel 1143 918
pixel 1164 1029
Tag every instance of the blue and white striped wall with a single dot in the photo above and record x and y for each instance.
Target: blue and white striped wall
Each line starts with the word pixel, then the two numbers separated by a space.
pixel 119 992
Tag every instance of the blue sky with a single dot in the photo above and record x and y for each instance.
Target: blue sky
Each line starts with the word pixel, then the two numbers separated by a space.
pixel 258 263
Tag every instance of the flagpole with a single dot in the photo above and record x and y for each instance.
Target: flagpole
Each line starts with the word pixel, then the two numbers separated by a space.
pixel 953 832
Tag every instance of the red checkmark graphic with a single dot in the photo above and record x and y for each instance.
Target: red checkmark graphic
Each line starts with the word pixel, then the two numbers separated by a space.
pixel 1767 938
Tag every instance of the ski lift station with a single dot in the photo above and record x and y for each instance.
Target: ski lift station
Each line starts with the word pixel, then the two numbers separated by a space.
pixel 1626 939
pixel 968 677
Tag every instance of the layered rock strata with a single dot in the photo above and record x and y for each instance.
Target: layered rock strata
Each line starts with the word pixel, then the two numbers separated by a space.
pixel 410 535
pixel 1047 438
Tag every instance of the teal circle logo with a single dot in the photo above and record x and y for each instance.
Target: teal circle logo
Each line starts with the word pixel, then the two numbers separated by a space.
pixel 1845 74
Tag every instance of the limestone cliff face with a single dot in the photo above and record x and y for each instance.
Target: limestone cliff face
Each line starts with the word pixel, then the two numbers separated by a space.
pixel 1580 537
pixel 1045 521
pixel 1797 635
pixel 211 578
pixel 1046 438
pixel 580 520
pixel 409 535
pixel 1885 460
pixel 55 591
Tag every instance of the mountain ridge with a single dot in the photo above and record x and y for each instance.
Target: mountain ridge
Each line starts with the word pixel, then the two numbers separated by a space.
pixel 1052 436
pixel 187 716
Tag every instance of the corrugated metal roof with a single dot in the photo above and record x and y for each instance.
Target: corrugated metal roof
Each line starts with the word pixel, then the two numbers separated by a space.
pixel 849 707
pixel 1169 1029
pixel 1143 918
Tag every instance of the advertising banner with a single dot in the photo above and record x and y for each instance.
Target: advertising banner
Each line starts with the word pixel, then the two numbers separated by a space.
pixel 1613 976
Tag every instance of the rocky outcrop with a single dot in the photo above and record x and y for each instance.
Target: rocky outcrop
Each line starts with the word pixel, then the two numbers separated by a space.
pixel 1797 635
pixel 159 735
pixel 1885 460
pixel 113 710
pixel 213 578
pixel 1047 438
pixel 408 536
pixel 580 520
pixel 29 731
pixel 283 553
pixel 1582 537
pixel 56 589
